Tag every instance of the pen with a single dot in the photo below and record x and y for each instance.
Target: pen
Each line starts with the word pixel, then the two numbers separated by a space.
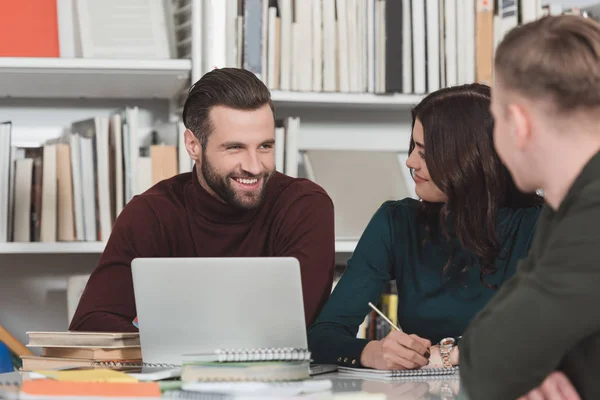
pixel 384 317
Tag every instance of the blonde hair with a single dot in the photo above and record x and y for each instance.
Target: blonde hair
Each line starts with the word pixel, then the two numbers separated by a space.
pixel 555 58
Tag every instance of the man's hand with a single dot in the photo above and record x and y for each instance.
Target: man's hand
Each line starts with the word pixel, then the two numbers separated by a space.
pixel 555 387
pixel 396 351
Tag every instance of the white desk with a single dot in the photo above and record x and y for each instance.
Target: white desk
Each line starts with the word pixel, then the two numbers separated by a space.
pixel 402 388
pixel 423 388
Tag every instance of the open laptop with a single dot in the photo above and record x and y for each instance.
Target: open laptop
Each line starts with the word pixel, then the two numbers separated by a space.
pixel 199 305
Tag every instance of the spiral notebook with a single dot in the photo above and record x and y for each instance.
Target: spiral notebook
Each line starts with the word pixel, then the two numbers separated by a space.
pixel 144 371
pixel 393 374
pixel 246 355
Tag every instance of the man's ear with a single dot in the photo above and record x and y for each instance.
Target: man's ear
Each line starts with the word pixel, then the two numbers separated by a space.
pixel 192 145
pixel 520 121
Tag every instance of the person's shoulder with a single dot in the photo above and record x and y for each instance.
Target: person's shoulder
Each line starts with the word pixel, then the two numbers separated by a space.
pixel 287 189
pixel 400 209
pixel 518 225
pixel 578 215
pixel 407 204
pixel 527 215
pixel 589 197
pixel 398 213
pixel 166 195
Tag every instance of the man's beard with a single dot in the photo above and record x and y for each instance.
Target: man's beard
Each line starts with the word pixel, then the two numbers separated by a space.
pixel 223 187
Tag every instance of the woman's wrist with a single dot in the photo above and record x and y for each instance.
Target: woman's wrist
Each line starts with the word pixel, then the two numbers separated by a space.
pixel 366 355
pixel 454 355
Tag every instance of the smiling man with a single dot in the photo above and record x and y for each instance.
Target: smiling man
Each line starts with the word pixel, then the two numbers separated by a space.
pixel 233 204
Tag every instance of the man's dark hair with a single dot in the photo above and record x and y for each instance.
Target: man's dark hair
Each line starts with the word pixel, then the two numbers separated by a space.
pixel 230 87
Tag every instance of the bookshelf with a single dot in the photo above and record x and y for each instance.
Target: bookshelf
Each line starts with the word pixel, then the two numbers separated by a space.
pixel 341 246
pixel 54 78
pixel 42 96
pixel 52 248
pixel 352 101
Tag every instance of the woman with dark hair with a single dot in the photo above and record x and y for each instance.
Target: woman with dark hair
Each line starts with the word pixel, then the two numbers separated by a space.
pixel 448 252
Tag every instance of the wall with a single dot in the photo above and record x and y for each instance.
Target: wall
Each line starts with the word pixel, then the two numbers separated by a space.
pixel 33 290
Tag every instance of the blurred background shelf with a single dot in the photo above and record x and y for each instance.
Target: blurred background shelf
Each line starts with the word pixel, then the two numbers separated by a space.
pixel 341 246
pixel 92 78
pixel 52 248
pixel 345 100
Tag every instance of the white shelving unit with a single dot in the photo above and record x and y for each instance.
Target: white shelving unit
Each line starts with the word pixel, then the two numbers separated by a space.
pixel 355 101
pixel 341 246
pixel 52 248
pixel 56 78
pixel 345 246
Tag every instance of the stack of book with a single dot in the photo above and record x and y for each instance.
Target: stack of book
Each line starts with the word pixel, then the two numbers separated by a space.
pixel 258 372
pixel 61 350
pixel 264 365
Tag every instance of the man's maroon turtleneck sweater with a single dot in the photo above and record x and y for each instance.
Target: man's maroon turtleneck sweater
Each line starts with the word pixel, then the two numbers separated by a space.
pixel 178 218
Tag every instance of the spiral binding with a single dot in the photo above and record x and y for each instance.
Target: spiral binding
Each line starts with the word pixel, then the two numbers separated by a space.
pixel 436 373
pixel 440 376
pixel 130 364
pixel 425 372
pixel 188 395
pixel 224 355
pixel 272 354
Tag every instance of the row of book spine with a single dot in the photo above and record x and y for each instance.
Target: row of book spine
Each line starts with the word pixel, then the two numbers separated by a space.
pixel 376 46
pixel 73 188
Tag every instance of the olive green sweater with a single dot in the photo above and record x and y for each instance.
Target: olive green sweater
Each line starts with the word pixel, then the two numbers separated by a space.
pixel 546 318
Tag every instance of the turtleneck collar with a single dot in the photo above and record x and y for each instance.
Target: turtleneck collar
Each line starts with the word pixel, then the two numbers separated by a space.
pixel 201 203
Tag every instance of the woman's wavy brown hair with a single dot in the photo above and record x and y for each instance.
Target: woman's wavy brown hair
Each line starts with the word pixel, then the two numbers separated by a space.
pixel 462 162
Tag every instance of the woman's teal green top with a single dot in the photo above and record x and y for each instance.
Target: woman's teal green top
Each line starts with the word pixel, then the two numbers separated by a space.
pixel 431 304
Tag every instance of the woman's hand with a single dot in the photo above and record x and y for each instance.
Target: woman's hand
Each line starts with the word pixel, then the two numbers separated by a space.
pixel 435 361
pixel 396 351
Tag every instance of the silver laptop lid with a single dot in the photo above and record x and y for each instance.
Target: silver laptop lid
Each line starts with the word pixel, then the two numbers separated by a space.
pixel 199 305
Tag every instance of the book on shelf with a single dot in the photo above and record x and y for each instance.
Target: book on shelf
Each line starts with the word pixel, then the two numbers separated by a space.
pixel 5 180
pixel 73 187
pixel 374 327
pixel 373 46
pixel 32 27
pixel 144 29
pixel 109 29
pixel 287 132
